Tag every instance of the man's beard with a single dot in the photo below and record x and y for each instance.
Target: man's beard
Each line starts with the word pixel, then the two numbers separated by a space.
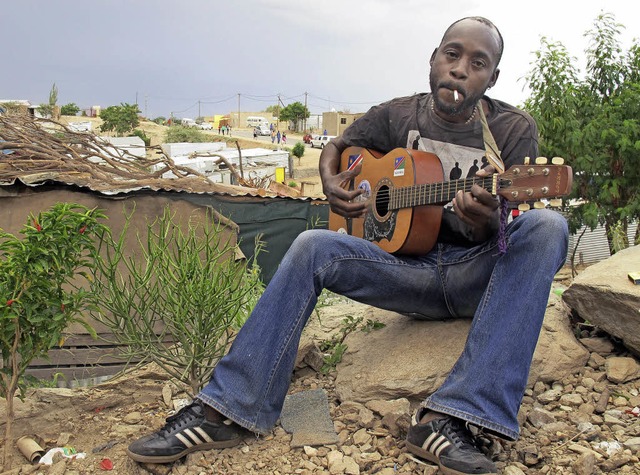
pixel 455 109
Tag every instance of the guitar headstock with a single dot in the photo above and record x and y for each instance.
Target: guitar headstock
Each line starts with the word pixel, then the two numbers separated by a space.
pixel 534 182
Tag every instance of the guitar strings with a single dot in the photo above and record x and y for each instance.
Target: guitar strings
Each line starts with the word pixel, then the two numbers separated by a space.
pixel 433 190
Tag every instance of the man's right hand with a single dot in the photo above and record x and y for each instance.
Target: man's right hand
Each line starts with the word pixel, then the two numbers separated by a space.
pixel 342 201
pixel 335 184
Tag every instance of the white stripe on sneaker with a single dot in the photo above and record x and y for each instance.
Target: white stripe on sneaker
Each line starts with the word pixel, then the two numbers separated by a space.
pixel 435 444
pixel 184 440
pixel 203 434
pixel 190 438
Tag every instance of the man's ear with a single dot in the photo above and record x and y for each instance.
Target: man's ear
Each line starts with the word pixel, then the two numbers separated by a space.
pixel 494 78
pixel 433 57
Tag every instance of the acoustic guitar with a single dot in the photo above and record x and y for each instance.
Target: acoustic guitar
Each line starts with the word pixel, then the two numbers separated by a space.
pixel 405 191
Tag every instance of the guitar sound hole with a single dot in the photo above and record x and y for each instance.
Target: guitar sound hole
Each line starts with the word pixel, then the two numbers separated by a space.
pixel 382 201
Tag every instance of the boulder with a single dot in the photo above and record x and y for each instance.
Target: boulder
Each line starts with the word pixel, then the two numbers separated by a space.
pixel 411 358
pixel 604 296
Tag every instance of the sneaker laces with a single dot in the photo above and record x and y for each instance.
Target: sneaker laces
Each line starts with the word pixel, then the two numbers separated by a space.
pixel 186 414
pixel 459 432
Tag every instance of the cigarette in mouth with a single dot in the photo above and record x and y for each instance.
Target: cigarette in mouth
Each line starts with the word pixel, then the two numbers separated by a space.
pixel 456 98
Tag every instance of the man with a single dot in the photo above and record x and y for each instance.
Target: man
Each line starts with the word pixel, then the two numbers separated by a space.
pixel 500 274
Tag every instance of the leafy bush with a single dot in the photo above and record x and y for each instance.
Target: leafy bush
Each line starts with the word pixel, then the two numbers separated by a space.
pixel 298 150
pixel 187 283
pixel 69 109
pixel 40 291
pixel 143 136
pixel 179 134
pixel 121 119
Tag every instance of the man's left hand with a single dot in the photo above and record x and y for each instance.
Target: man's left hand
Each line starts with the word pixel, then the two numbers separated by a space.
pixel 478 208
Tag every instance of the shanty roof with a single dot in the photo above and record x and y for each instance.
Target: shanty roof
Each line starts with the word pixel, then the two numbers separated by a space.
pixel 36 151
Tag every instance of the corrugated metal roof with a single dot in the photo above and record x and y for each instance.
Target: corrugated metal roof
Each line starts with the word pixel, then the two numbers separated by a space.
pixel 84 160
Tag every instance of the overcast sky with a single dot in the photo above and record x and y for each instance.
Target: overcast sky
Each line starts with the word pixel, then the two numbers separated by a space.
pixel 192 57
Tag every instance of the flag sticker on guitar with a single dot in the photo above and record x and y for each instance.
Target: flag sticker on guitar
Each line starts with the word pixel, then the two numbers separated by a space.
pixel 398 166
pixel 354 161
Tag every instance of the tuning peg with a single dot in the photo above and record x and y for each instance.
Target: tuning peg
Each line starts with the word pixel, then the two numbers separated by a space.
pixel 524 207
pixel 527 160
pixel 557 161
pixel 542 161
pixel 555 202
pixel 539 205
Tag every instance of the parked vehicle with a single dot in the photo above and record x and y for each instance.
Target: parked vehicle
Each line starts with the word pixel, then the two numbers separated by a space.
pixel 321 140
pixel 256 121
pixel 262 130
pixel 188 123
pixel 205 126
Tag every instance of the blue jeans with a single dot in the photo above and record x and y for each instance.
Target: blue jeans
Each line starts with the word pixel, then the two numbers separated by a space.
pixel 505 294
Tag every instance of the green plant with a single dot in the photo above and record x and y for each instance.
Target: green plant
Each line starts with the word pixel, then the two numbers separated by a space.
pixel 69 109
pixel 334 347
pixel 593 123
pixel 120 119
pixel 293 184
pixel 298 150
pixel 294 112
pixel 41 279
pixel 142 135
pixel 180 134
pixel 188 284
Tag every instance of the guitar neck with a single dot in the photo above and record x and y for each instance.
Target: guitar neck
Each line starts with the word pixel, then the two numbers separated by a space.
pixel 438 193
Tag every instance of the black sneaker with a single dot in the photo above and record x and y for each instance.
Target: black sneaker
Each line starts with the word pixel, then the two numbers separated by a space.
pixel 449 443
pixel 183 433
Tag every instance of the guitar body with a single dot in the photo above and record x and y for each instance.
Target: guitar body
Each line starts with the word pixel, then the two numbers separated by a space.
pixel 405 191
pixel 409 230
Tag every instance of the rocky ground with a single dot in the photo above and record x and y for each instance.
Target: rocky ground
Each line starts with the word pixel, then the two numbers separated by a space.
pixel 586 424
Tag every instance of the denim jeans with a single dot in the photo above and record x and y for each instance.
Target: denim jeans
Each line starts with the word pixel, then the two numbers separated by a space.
pixel 506 294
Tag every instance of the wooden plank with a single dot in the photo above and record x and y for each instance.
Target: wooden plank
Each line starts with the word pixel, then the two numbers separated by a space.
pixel 74 374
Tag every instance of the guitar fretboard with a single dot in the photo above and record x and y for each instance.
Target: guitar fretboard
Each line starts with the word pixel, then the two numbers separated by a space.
pixel 434 193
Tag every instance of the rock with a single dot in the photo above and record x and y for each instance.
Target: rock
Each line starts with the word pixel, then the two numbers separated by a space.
pixel 375 366
pixel 603 295
pixel 599 345
pixel 539 417
pixel 558 353
pixel 512 470
pixel 132 418
pixel 622 369
pixel 585 465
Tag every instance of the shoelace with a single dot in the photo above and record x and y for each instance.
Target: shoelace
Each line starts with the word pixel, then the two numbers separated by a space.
pixel 186 413
pixel 459 433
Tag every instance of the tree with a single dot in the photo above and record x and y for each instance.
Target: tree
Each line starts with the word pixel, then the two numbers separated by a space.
pixel 273 110
pixel 121 119
pixel 593 123
pixel 48 110
pixel 294 112
pixel 70 109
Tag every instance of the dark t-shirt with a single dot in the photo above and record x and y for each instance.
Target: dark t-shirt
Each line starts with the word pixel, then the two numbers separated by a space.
pixel 410 122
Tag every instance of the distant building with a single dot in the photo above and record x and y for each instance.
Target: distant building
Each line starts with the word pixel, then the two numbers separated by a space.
pixel 335 123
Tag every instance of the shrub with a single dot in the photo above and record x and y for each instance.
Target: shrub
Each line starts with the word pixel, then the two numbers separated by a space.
pixel 40 290
pixel 180 134
pixel 188 283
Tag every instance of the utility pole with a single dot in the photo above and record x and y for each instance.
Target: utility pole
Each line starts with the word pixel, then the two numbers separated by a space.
pixel 238 124
pixel 304 127
pixel 278 112
pixel 199 115
pixel 146 99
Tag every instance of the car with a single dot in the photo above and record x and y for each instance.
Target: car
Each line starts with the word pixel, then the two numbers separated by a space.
pixel 188 123
pixel 205 126
pixel 262 130
pixel 321 140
